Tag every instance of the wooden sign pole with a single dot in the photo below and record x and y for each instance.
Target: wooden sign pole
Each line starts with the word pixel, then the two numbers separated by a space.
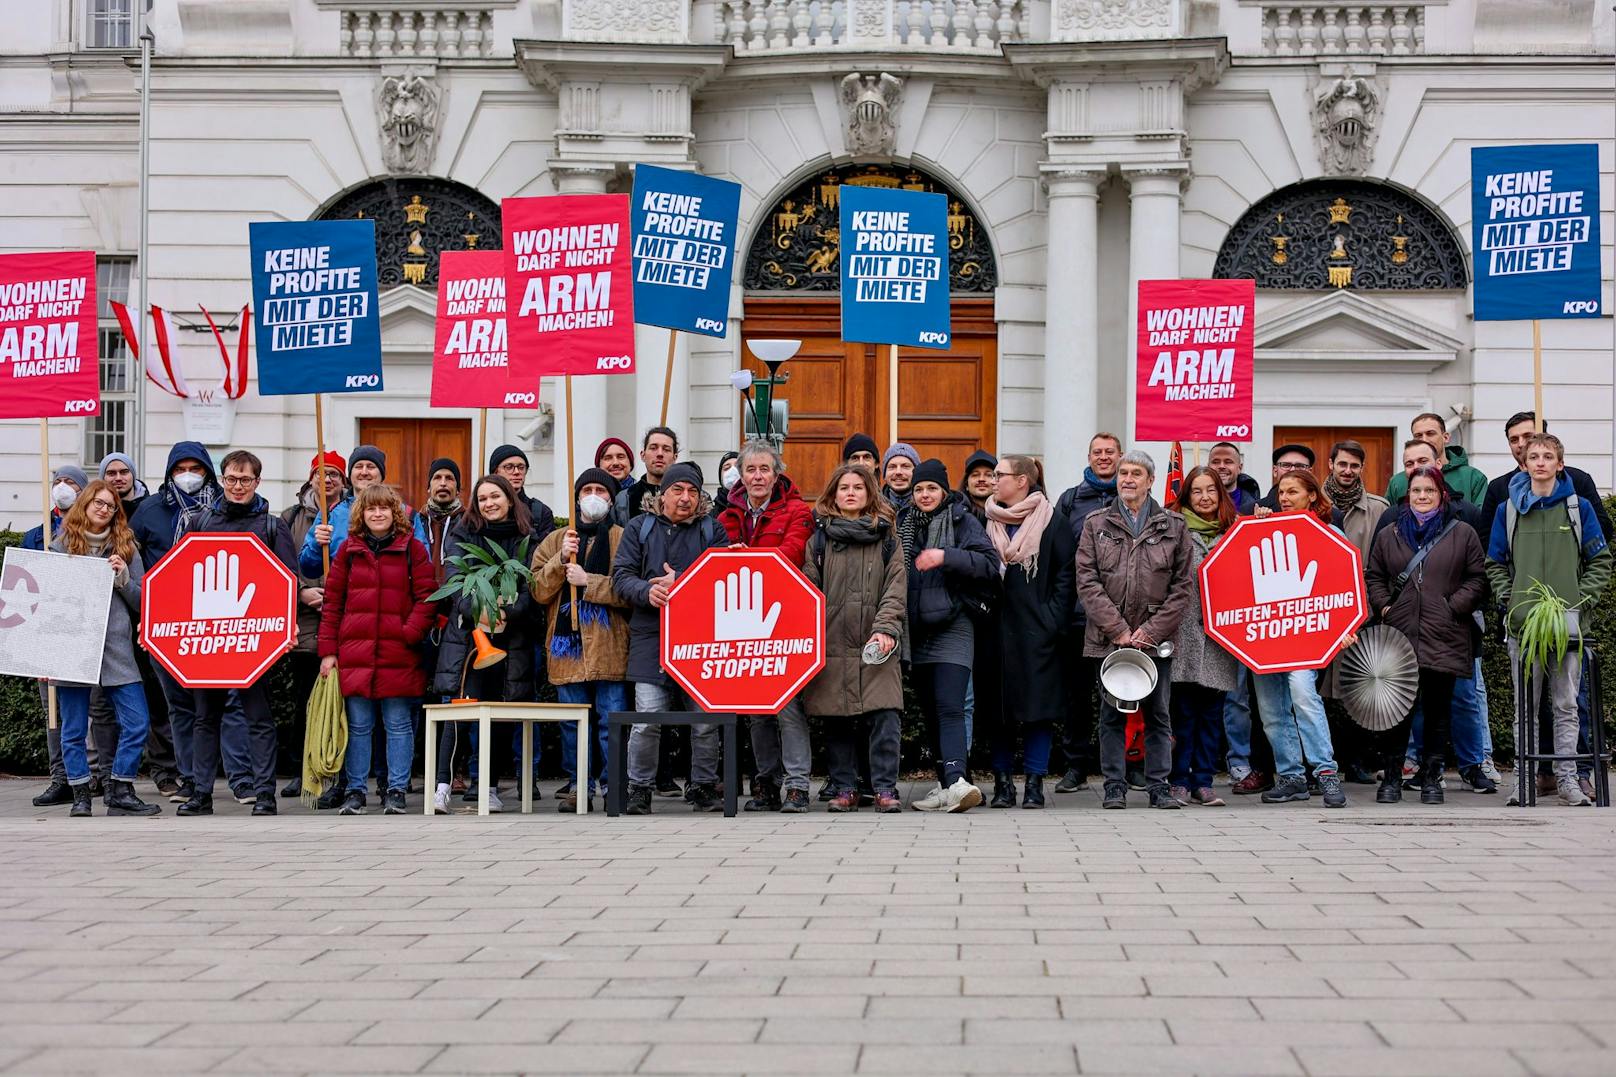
pixel 319 439
pixel 1537 373
pixel 667 376
pixel 45 543
pixel 892 393
pixel 482 441
pixel 572 511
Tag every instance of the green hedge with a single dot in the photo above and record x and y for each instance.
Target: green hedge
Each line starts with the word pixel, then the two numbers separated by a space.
pixel 22 718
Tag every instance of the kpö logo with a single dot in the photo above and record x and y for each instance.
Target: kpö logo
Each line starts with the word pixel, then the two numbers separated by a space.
pixel 518 399
pixel 1234 430
pixel 363 381
pixel 615 362
pixel 712 324
pixel 1581 306
pixel 73 407
pixel 929 337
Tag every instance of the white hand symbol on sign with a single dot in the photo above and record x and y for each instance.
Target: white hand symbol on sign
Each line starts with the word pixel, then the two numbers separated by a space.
pixel 1275 574
pixel 738 607
pixel 216 588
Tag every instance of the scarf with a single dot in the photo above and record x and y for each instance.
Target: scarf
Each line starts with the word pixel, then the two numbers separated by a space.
pixel 595 554
pixel 1105 486
pixel 926 530
pixel 1342 499
pixel 861 531
pixel 1208 531
pixel 1135 521
pixel 191 508
pixel 378 543
pixel 1418 529
pixel 498 532
pixel 433 510
pixel 95 541
pixel 1031 516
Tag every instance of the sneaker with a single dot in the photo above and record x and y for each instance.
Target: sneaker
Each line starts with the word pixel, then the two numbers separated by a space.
pixel 1181 793
pixel 264 804
pixel 961 796
pixel 185 792
pixel 393 802
pixel 458 785
pixel 1162 797
pixel 1286 790
pixel 567 802
pixel 795 802
pixel 166 785
pixel 639 800
pixel 1206 797
pixel 1489 768
pixel 244 794
pixel 826 791
pixel 703 798
pixel 1254 782
pixel 566 788
pixel 1072 781
pixel 765 796
pixel 57 792
pixel 887 803
pixel 1116 795
pixel 1334 795
pixel 353 803
pixel 1238 774
pixel 1136 778
pixel 496 806
pixel 293 788
pixel 332 797
pixel 1572 796
pixel 844 801
pixel 934 800
pixel 667 787
pixel 1357 774
pixel 470 795
pixel 440 801
pixel 1475 779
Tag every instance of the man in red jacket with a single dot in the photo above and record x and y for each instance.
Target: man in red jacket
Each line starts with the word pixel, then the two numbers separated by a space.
pixel 765 510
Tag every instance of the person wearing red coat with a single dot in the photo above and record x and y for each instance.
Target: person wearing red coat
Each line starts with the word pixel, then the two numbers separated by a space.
pixel 372 621
pixel 767 511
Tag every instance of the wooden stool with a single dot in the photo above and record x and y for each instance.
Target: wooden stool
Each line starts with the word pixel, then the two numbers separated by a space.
pixel 485 715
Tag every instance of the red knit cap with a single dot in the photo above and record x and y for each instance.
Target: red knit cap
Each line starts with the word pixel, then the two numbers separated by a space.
pixel 330 459
pixel 600 450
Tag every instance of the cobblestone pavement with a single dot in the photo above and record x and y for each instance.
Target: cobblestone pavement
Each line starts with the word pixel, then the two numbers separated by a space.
pixel 1248 940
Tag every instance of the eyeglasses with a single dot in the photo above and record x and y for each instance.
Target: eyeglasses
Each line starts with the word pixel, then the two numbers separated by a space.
pixel 239 480
pixel 101 503
pixel 1004 474
pixel 1293 465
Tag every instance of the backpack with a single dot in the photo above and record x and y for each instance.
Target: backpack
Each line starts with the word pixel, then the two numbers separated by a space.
pixel 1512 516
pixel 816 549
pixel 711 531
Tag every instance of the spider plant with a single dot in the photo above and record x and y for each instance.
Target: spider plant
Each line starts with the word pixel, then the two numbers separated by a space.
pixel 1546 630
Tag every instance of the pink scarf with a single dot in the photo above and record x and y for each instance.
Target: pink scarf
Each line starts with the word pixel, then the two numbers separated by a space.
pixel 1033 513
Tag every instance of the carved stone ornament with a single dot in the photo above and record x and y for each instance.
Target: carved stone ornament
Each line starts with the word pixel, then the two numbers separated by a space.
pixel 408 107
pixel 1346 120
pixel 1114 20
pixel 870 103
pixel 626 20
pixel 417 219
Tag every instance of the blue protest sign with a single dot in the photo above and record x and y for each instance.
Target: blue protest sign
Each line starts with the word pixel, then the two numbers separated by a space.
pixel 684 249
pixel 894 266
pixel 314 289
pixel 1535 231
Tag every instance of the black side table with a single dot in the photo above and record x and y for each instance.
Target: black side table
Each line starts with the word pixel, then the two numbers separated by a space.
pixel 618 724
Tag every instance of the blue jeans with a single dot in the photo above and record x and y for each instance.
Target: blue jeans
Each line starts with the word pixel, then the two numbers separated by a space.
pixel 1197 734
pixel 970 711
pixel 128 703
pixel 1293 717
pixel 1237 721
pixel 603 697
pixel 1472 738
pixel 1037 739
pixel 398 719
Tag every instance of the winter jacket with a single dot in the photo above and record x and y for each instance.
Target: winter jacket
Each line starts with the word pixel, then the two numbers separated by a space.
pixel 604 636
pixel 1544 548
pixel 634 499
pixel 1130 583
pixel 516 639
pixel 309 563
pixel 375 616
pixel 1079 503
pixel 34 537
pixel 1032 624
pixel 543 519
pixel 253 518
pixel 970 564
pixel 864 594
pixel 1246 494
pixel 437 526
pixel 301 520
pixel 1582 484
pixel 1359 522
pixel 118 663
pixel 1433 608
pixel 163 516
pixel 1462 479
pixel 638 561
pixel 784 524
pixel 1467 513
pixel 1197 659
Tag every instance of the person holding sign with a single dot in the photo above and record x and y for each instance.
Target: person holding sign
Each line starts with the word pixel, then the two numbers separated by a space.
pixel 95 527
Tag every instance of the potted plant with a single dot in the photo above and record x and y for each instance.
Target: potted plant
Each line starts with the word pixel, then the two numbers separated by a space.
pixel 1547 629
pixel 488 582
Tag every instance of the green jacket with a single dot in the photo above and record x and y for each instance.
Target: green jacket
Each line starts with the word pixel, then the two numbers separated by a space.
pixel 1545 548
pixel 1462 479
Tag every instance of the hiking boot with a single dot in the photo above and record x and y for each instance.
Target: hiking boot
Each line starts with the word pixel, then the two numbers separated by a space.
pixel 1475 779
pixel 57 792
pixel 293 788
pixel 703 797
pixel 1391 788
pixel 1072 781
pixel 1032 795
pixel 198 804
pixel 961 796
pixel 1116 795
pixel 934 800
pixel 1004 791
pixel 795 802
pixel 826 791
pixel 1431 781
pixel 265 805
pixel 1286 790
pixel 1334 795
pixel 1586 784
pixel 1254 782
pixel 1206 797
pixel 1162 797
pixel 887 803
pixel 393 802
pixel 639 800
pixel 1571 795
pixel 121 800
pixel 667 787
pixel 765 796
pixel 81 802
pixel 845 801
pixel 353 803
pixel 440 801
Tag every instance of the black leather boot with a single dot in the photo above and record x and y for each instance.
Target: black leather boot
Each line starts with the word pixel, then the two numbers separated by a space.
pixel 199 804
pixel 1391 781
pixel 57 792
pixel 1033 795
pixel 1431 780
pixel 121 800
pixel 81 801
pixel 1004 791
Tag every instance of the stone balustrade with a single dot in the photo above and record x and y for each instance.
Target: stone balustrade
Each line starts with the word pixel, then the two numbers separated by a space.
pixel 1343 29
pixel 753 26
pixel 411 29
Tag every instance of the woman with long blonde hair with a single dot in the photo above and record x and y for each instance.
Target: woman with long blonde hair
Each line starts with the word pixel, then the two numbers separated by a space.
pixel 95 527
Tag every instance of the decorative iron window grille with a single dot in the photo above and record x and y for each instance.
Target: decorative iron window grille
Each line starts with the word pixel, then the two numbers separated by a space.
pixel 416 219
pixel 1334 233
pixel 798 246
pixel 110 24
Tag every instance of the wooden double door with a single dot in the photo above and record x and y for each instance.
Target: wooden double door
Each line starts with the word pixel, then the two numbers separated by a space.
pixel 1382 450
pixel 947 400
pixel 412 444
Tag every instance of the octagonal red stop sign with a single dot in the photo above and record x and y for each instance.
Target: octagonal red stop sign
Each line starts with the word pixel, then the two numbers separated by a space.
pixel 1283 592
pixel 218 610
pixel 743 631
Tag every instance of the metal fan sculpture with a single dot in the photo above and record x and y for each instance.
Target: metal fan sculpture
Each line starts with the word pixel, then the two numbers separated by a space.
pixel 1378 678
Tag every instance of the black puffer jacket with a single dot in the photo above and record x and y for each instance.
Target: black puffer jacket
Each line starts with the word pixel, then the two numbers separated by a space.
pixel 641 553
pixel 971 563
pixel 523 626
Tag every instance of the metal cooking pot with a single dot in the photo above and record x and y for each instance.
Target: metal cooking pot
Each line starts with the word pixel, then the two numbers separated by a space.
pixel 1127 676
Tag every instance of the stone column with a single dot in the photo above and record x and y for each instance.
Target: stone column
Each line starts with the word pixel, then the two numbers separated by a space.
pixel 1153 243
pixel 588 392
pixel 1071 322
pixel 651 356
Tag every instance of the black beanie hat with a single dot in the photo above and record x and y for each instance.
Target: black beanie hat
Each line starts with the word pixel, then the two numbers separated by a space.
pixel 371 453
pixel 443 463
pixel 502 454
pixel 932 470
pixel 683 471
pixel 595 475
pixel 860 443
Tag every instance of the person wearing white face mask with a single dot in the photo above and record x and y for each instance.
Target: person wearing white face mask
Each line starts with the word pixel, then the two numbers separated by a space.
pixel 587 643
pixel 729 473
pixel 66 483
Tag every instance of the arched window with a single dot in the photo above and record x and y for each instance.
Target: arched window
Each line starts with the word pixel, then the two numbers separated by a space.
pixel 1334 233
pixel 415 219
pixel 798 246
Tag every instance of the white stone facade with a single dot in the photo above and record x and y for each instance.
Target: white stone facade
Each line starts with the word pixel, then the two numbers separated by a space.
pixel 1098 141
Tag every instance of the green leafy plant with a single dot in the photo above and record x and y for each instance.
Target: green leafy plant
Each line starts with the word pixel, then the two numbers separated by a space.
pixel 487 580
pixel 1545 633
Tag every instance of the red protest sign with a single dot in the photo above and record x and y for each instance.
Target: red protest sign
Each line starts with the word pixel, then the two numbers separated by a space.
pixel 569 286
pixel 469 360
pixel 1283 592
pixel 1195 365
pixel 743 631
pixel 218 610
pixel 49 352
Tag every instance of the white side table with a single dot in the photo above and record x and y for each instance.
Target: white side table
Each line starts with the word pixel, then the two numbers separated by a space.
pixel 485 715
